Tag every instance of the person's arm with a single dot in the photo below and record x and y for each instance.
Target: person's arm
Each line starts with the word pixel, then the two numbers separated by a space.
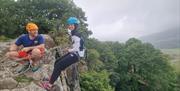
pixel 41 44
pixel 76 44
pixel 15 46
pixel 33 47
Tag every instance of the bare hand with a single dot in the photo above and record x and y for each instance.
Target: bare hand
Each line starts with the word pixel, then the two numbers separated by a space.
pixel 66 50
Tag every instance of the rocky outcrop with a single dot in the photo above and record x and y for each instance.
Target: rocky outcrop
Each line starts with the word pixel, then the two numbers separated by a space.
pixel 68 81
pixel 8 83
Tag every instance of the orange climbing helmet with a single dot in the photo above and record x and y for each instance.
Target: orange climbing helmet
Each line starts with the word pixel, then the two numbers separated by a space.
pixel 31 26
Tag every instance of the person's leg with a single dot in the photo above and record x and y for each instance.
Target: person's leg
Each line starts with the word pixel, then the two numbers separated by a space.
pixel 36 55
pixel 61 65
pixel 57 60
pixel 14 55
pixel 19 55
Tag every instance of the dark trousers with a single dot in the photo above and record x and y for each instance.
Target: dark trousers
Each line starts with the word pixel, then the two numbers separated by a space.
pixel 62 64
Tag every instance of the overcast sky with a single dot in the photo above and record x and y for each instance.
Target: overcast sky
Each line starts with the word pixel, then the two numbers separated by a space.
pixel 119 20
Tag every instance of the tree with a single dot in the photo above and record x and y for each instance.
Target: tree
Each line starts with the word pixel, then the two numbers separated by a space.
pixel 95 81
pixel 93 61
pixel 107 56
pixel 141 67
pixel 49 15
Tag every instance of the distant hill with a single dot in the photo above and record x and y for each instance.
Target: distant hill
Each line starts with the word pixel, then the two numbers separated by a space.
pixel 174 55
pixel 165 39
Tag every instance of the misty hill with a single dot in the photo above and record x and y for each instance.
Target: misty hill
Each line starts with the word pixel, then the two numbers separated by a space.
pixel 164 39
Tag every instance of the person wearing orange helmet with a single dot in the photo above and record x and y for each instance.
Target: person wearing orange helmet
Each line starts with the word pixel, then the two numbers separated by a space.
pixel 33 44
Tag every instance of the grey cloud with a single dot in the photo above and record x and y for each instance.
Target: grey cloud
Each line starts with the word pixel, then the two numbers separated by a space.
pixel 143 17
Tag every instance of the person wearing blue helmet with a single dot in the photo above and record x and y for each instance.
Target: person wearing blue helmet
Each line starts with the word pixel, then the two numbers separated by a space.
pixel 73 54
pixel 73 20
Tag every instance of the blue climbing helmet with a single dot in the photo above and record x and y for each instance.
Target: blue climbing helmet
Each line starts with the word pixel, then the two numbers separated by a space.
pixel 73 20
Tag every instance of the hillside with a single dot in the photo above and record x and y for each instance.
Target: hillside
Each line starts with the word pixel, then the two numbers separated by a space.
pixel 164 39
pixel 174 55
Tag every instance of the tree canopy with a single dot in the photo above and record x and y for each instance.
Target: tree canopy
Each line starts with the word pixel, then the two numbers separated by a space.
pixel 134 66
pixel 49 15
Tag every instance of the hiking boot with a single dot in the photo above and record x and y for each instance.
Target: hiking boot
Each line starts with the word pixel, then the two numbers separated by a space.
pixel 35 67
pixel 46 85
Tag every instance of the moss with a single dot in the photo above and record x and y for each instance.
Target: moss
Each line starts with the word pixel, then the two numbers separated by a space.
pixel 23 78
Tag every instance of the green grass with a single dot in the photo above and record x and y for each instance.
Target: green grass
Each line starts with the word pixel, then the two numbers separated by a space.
pixel 3 38
pixel 23 78
pixel 174 55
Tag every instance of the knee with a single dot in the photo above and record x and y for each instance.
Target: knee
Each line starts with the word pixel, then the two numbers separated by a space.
pixel 36 52
pixel 11 54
